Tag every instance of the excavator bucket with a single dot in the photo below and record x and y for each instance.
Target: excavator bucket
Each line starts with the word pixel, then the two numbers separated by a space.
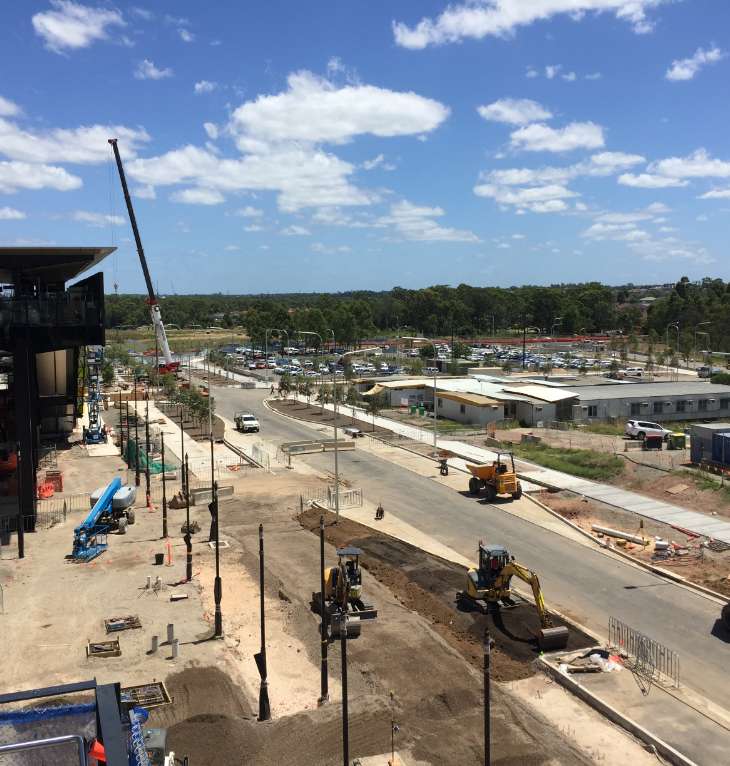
pixel 552 639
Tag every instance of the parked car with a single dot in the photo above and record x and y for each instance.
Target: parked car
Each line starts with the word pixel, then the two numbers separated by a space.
pixel 708 372
pixel 640 429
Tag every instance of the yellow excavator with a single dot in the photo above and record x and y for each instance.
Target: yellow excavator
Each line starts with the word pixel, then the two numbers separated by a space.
pixel 343 594
pixel 489 584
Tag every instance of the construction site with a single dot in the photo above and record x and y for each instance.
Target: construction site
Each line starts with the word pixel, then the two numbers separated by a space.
pixel 199 566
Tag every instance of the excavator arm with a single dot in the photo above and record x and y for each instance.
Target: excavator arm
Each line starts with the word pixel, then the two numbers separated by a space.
pixel 528 576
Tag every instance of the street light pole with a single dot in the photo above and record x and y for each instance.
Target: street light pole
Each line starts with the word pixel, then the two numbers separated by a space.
pixel 136 437
pixel 147 451
pixel 334 397
pixel 487 700
pixel 435 373
pixel 324 674
pixel 319 351
pixel 164 490
pixel 701 324
pixel 187 537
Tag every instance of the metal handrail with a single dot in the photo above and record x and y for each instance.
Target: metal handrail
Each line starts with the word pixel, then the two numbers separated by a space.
pixel 37 744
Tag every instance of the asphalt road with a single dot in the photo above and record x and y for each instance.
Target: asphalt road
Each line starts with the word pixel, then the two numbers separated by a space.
pixel 578 580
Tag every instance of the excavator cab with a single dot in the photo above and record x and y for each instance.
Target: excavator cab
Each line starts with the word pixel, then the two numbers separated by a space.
pixel 489 584
pixel 343 594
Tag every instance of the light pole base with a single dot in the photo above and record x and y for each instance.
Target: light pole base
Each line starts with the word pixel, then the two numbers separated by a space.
pixel 323 701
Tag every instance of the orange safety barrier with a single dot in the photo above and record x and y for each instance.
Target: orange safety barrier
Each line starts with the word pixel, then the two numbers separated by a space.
pixel 169 553
pixel 45 490
pixel 97 751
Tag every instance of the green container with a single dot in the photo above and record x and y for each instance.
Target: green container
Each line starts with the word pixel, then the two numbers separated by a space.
pixel 677 440
pixel 413 409
pixel 421 410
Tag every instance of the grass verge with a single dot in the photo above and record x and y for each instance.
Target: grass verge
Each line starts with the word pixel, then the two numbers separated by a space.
pixel 578 462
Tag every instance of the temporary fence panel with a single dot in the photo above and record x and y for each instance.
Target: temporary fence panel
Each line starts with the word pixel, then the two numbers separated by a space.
pixel 648 656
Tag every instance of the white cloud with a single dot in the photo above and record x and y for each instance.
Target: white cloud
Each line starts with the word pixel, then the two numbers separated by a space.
pixel 249 212
pixel 569 76
pixel 205 86
pixel 146 70
pixel 142 13
pixel 11 214
pixel 538 199
pixel 649 181
pixel 477 19
pixel 699 164
pixel 658 207
pixel 198 196
pixel 98 220
pixel 531 73
pixel 417 223
pixel 8 108
pixel 279 138
pixel 319 247
pixel 498 184
pixel 686 69
pixel 24 175
pixel 514 111
pixel 253 227
pixel 593 76
pixel 716 194
pixel 551 70
pixel 539 137
pixel 231 248
pixel 314 110
pixel 378 162
pixel 518 236
pixel 186 35
pixel 211 130
pixel 295 231
pixel 71 25
pixel 145 192
pixel 84 145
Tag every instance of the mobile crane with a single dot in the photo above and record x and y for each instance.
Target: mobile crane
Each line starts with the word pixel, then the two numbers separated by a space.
pixel 489 583
pixel 167 365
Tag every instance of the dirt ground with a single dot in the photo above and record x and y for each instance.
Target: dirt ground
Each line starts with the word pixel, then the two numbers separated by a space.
pixel 437 709
pixel 702 566
pixel 428 585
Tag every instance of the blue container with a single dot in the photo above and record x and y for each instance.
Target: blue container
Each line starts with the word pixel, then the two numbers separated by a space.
pixel 721 448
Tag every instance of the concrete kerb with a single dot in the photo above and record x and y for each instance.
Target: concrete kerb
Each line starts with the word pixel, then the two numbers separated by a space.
pixel 707 593
pixel 700 589
pixel 608 711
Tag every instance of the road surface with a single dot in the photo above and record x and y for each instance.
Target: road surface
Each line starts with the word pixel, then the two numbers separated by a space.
pixel 579 581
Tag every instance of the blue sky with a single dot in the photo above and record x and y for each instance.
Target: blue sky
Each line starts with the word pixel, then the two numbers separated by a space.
pixel 288 146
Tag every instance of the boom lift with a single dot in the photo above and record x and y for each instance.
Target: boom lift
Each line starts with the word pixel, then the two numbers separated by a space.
pixel 90 535
pixel 489 584
pixel 343 594
pixel 168 365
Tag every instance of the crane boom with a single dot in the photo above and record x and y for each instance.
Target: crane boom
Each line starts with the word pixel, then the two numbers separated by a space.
pixel 169 365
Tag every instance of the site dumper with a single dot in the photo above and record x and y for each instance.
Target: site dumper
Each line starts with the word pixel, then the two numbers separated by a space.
pixel 496 478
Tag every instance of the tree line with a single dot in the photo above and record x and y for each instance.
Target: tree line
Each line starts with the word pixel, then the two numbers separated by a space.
pixel 442 311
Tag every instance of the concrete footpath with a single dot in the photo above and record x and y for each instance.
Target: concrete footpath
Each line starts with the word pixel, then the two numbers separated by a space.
pixel 700 523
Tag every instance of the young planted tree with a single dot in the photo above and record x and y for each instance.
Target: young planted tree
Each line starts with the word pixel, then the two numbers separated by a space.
pixel 375 404
pixel 285 385
pixel 352 398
